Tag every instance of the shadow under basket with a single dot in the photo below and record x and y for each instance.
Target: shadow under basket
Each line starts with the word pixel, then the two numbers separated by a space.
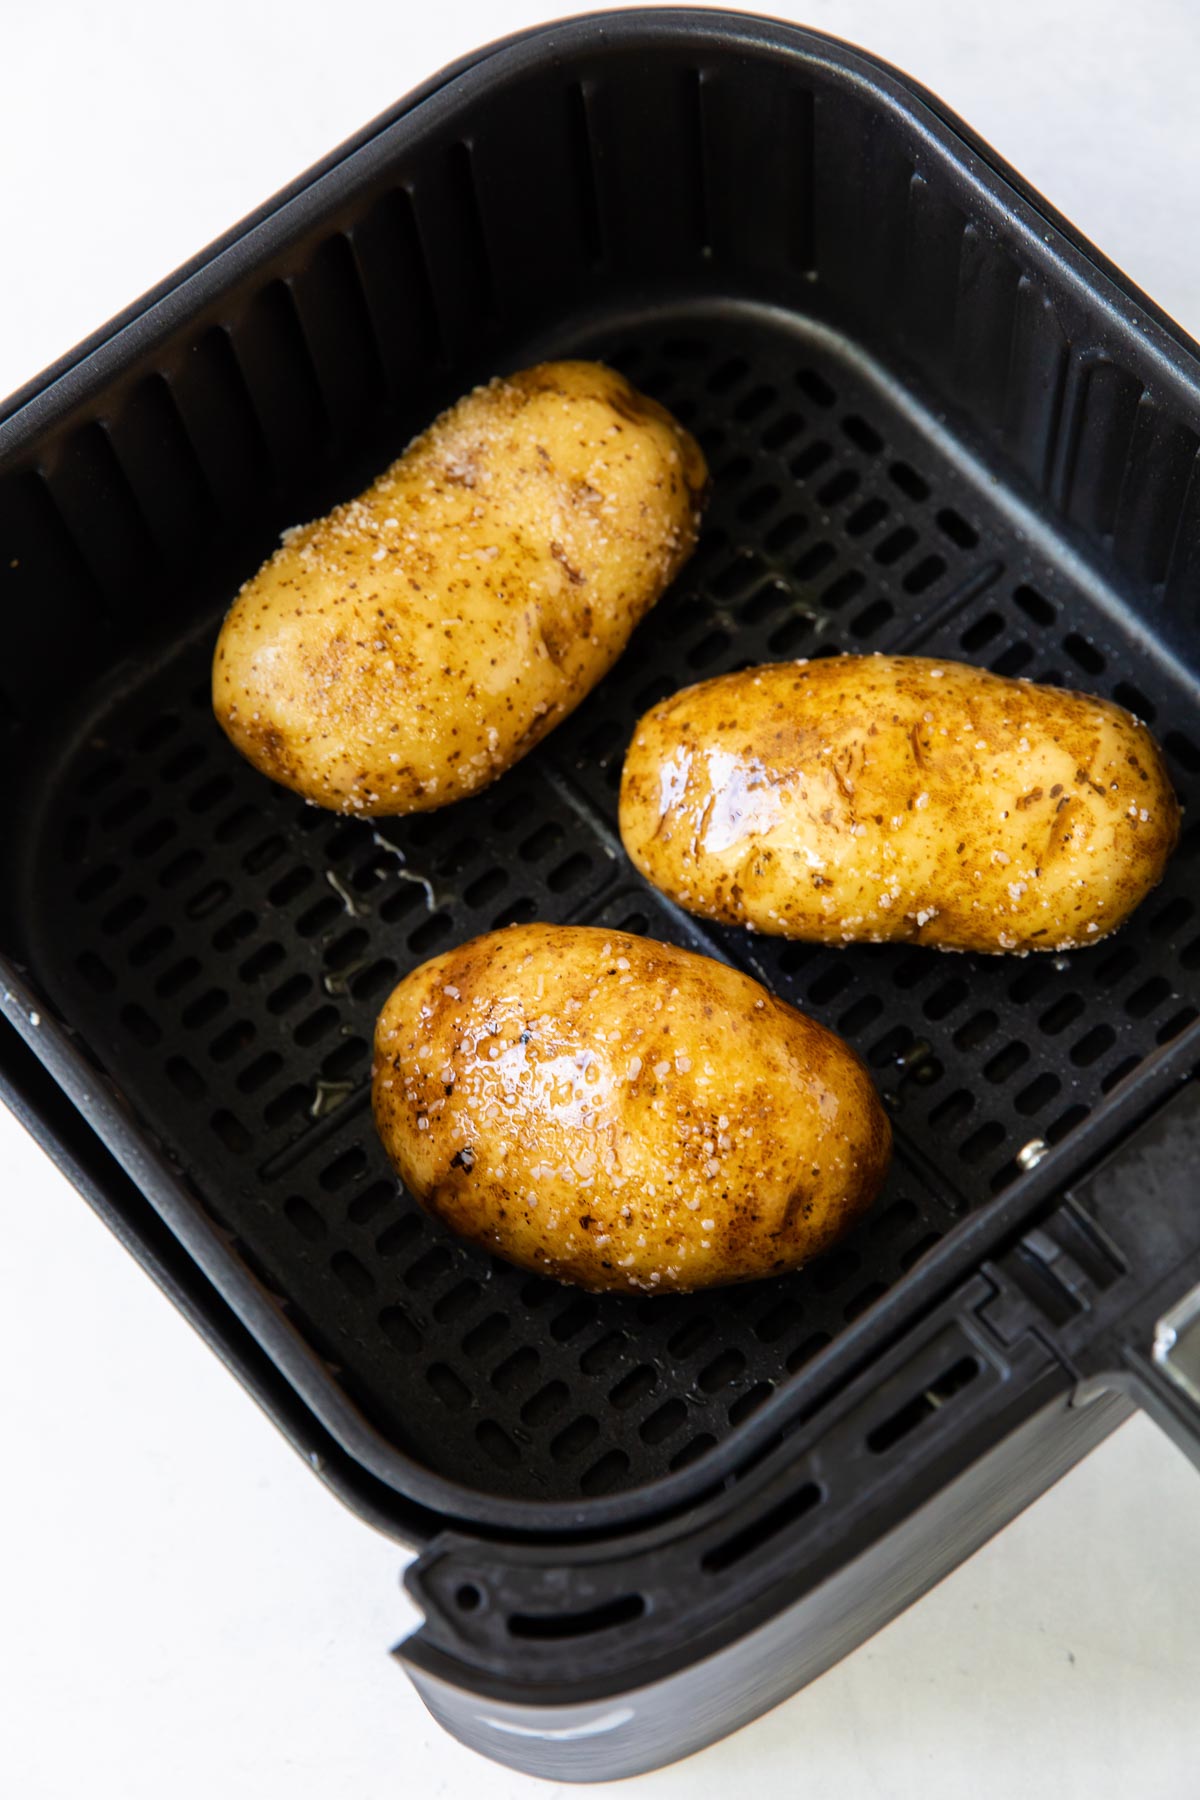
pixel 936 422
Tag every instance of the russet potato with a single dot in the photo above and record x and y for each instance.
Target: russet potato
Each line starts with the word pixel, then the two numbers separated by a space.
pixel 621 1113
pixel 406 649
pixel 872 798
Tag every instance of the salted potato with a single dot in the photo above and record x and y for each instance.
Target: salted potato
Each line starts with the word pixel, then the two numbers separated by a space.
pixel 406 649
pixel 895 797
pixel 620 1113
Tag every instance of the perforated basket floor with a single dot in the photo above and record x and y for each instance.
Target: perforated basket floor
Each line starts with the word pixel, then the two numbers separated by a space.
pixel 224 949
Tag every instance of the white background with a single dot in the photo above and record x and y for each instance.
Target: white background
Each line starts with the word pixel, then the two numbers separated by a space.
pixel 183 1609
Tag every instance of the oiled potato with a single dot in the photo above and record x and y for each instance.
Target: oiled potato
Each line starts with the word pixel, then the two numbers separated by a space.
pixel 408 648
pixel 881 797
pixel 620 1113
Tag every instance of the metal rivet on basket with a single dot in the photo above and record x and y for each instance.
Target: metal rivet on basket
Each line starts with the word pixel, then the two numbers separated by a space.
pixel 1031 1154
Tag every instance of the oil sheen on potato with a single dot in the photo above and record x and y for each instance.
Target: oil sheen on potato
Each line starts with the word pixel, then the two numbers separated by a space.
pixel 621 1113
pixel 875 798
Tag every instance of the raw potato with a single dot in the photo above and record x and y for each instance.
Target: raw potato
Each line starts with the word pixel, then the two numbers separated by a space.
pixel 871 798
pixel 620 1113
pixel 405 650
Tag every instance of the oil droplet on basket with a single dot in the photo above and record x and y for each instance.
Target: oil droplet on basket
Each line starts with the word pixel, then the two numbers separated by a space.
pixel 403 872
pixel 355 909
pixel 328 1096
pixel 917 1062
pixel 337 982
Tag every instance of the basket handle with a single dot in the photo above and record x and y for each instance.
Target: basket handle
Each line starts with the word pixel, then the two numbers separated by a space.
pixel 1169 1385
pixel 1162 1376
pixel 1112 1278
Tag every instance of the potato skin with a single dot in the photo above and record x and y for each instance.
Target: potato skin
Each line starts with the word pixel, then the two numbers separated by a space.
pixel 873 798
pixel 620 1113
pixel 409 647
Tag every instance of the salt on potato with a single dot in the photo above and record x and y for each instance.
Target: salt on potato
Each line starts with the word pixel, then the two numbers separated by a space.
pixel 403 651
pixel 621 1113
pixel 878 798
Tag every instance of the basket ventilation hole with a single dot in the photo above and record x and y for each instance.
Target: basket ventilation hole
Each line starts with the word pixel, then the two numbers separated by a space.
pixel 753 1537
pixel 621 1611
pixel 922 1406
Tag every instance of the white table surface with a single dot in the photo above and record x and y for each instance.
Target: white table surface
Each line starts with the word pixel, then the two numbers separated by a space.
pixel 184 1611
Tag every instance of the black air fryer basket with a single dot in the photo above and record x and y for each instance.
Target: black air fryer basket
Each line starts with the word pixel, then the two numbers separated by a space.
pixel 936 420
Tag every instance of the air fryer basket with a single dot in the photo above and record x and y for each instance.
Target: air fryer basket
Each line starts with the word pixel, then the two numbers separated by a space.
pixel 223 948
pixel 935 422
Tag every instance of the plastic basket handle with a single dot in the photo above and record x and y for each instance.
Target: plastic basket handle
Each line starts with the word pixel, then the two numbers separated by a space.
pixel 1112 1278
